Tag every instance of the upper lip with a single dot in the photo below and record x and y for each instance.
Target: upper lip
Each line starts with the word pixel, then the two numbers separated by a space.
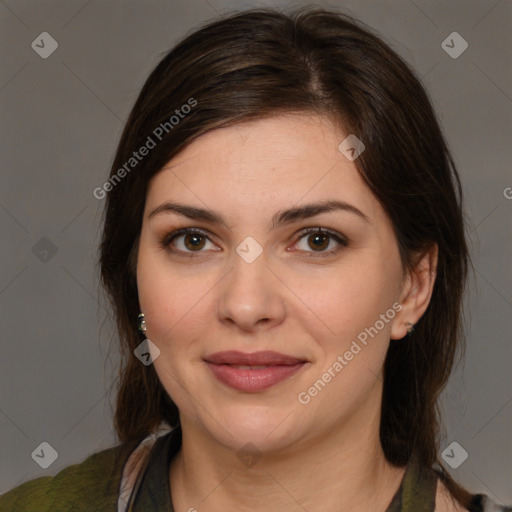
pixel 266 358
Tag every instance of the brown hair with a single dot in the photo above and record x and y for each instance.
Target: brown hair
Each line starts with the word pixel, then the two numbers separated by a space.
pixel 263 62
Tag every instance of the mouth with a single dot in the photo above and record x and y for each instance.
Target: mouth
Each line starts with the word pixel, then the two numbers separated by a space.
pixel 253 372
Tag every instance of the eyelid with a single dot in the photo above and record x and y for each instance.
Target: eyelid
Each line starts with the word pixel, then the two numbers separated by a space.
pixel 169 237
pixel 340 239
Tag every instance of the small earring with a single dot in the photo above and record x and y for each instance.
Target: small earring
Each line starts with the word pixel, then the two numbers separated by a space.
pixel 142 323
pixel 410 329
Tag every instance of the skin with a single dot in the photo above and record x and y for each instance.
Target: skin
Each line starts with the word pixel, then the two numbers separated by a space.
pixel 292 299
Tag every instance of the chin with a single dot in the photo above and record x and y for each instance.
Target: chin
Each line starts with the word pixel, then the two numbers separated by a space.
pixel 257 425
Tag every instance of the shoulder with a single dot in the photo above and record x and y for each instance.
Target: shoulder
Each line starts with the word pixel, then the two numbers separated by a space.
pixel 90 485
pixel 480 503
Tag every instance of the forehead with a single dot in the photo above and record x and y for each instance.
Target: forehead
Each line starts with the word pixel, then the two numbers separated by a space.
pixel 281 161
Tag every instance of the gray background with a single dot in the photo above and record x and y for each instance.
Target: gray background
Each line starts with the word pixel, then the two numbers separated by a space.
pixel 61 120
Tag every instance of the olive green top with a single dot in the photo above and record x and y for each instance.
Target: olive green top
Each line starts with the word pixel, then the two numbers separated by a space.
pixel 94 485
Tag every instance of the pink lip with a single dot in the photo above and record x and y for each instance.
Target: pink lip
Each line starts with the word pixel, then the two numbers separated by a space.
pixel 279 368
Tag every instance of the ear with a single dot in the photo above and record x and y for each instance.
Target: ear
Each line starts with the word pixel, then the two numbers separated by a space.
pixel 416 291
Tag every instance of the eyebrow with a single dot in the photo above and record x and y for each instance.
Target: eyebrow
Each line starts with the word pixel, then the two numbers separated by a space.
pixel 279 219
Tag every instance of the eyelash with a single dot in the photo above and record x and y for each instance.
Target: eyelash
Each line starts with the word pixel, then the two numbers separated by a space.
pixel 166 241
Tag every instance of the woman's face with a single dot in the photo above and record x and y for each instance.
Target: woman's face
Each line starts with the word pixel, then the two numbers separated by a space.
pixel 255 281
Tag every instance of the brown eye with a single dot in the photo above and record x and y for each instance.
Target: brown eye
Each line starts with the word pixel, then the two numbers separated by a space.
pixel 193 241
pixel 185 242
pixel 319 240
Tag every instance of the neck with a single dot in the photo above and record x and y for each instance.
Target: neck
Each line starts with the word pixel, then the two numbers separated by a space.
pixel 342 468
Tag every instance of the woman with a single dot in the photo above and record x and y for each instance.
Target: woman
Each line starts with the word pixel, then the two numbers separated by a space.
pixel 284 249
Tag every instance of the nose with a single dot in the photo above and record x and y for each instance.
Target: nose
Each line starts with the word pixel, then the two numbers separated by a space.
pixel 251 297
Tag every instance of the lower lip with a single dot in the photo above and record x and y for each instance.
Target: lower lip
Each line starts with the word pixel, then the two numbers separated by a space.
pixel 253 380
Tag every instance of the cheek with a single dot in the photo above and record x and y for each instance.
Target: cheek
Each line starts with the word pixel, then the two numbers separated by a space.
pixel 350 309
pixel 355 346
pixel 356 297
pixel 170 298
